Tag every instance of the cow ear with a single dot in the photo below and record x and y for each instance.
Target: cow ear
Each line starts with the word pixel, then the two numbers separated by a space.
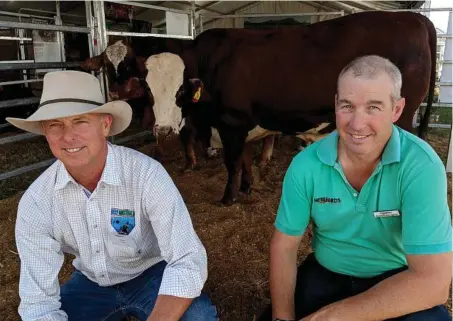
pixel 197 88
pixel 93 63
pixel 141 61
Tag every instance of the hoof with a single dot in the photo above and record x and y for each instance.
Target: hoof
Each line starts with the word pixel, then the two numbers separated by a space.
pixel 187 169
pixel 226 202
pixel 246 190
pixel 263 163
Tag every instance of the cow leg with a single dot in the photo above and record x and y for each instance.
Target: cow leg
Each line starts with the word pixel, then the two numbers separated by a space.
pixel 268 148
pixel 233 143
pixel 247 174
pixel 187 138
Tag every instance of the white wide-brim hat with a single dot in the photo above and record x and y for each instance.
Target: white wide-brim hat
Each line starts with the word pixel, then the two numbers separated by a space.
pixel 70 93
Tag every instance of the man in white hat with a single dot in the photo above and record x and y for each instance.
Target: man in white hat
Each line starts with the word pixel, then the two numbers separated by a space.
pixel 116 210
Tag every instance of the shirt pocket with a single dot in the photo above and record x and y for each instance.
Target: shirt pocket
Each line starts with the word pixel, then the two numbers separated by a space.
pixel 122 247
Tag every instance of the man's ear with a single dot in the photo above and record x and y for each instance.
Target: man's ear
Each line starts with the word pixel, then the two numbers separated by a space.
pixel 93 64
pixel 197 89
pixel 106 121
pixel 398 108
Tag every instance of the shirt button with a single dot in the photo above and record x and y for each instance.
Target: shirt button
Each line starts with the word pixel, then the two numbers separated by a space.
pixel 97 251
pixel 355 194
pixel 95 226
pixel 102 275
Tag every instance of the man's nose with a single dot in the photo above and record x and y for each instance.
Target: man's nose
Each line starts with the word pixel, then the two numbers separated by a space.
pixel 68 134
pixel 358 120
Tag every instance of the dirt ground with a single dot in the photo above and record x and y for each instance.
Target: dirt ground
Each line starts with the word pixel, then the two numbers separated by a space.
pixel 236 238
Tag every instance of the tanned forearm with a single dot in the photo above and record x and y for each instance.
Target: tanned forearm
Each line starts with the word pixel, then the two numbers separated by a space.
pixel 401 294
pixel 169 308
pixel 283 272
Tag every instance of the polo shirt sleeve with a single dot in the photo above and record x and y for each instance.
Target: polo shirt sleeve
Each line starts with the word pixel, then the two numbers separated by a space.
pixel 425 214
pixel 293 212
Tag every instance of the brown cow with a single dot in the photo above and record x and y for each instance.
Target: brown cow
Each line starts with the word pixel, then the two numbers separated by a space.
pixel 284 80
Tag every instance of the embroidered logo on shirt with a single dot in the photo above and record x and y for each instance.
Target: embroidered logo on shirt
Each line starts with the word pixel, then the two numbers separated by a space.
pixel 122 220
pixel 323 200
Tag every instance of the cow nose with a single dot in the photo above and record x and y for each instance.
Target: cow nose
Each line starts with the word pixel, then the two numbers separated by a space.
pixel 161 130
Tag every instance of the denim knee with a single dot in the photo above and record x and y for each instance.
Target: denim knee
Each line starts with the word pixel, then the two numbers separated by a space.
pixel 201 309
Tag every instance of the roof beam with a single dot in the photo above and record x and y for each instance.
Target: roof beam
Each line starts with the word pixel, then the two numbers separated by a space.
pixel 316 5
pixel 203 7
pixel 207 5
pixel 361 5
pixel 251 4
pixel 337 5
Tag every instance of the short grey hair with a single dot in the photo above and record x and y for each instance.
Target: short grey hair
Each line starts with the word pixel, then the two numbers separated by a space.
pixel 372 66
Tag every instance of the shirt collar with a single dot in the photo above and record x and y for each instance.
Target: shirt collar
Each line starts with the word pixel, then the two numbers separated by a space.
pixel 328 149
pixel 110 174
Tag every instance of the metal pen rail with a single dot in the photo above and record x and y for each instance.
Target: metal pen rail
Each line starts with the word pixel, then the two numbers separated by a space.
pixel 39 65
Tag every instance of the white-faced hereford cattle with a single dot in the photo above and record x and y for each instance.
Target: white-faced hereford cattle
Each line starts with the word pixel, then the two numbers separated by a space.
pixel 124 64
pixel 284 80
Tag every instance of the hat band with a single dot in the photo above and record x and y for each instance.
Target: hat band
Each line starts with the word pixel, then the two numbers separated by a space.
pixel 70 100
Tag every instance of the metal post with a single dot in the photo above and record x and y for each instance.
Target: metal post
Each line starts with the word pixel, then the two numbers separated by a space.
pixel 60 35
pixel 193 32
pixel 90 25
pixel 201 23
pixel 102 41
pixel 22 54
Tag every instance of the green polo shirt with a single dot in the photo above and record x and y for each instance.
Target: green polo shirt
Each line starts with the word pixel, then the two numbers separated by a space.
pixel 361 234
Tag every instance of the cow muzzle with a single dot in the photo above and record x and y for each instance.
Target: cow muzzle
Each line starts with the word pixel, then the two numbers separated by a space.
pixel 162 132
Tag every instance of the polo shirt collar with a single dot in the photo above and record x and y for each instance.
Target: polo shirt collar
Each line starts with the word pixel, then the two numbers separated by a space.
pixel 328 148
pixel 110 174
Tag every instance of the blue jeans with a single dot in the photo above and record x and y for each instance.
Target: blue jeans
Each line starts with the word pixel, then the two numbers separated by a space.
pixel 85 300
pixel 317 287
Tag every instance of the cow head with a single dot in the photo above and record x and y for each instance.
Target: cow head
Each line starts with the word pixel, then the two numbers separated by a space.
pixel 164 79
pixel 124 70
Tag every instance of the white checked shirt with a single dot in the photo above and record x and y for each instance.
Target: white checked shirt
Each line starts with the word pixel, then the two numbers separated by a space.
pixel 55 216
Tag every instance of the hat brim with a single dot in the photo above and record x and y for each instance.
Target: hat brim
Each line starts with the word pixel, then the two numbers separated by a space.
pixel 120 110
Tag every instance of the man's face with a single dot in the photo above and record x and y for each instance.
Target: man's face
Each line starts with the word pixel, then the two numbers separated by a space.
pixel 78 141
pixel 365 112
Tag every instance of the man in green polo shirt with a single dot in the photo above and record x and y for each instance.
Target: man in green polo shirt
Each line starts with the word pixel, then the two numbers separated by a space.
pixel 377 197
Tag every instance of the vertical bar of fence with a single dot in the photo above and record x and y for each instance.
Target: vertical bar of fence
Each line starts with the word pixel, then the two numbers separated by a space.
pixel 60 34
pixel 90 25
